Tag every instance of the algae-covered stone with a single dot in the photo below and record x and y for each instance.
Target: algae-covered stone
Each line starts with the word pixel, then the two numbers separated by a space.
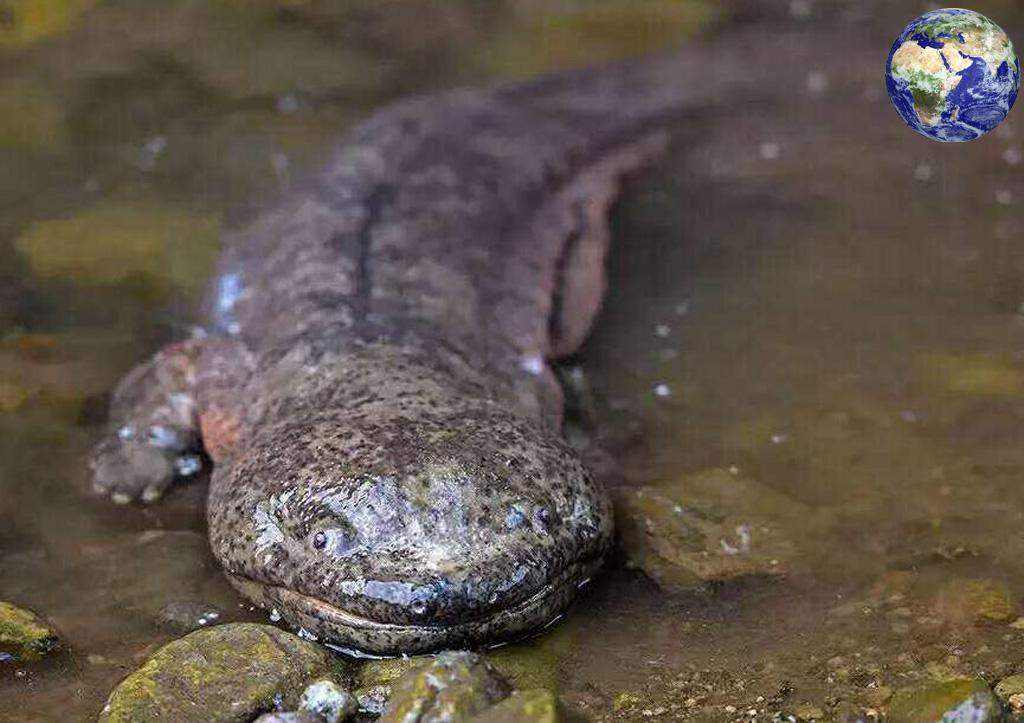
pixel 26 21
pixel 528 706
pixel 542 36
pixel 976 602
pixel 1011 692
pixel 328 701
pixel 226 673
pixel 713 526
pixel 452 687
pixel 24 636
pixel 960 700
pixel 168 247
pixel 535 663
pixel 387 670
pixel 31 115
pixel 972 374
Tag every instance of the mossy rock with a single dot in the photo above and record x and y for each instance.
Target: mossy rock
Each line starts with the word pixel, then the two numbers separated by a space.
pixel 977 601
pixel 452 687
pixel 24 636
pixel 984 375
pixel 28 21
pixel 386 671
pixel 1010 692
pixel 536 663
pixel 543 36
pixel 950 701
pixel 168 247
pixel 226 673
pixel 528 706
pixel 708 527
pixel 31 115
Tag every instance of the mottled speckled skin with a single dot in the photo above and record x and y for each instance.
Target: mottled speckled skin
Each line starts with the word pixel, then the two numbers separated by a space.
pixel 373 388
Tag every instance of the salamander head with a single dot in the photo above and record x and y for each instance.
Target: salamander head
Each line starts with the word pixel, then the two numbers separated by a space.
pixel 409 532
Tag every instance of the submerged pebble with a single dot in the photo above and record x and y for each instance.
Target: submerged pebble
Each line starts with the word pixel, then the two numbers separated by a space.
pixel 452 687
pixel 709 527
pixel 24 636
pixel 1010 692
pixel 960 700
pixel 229 672
pixel 184 616
pixel 328 701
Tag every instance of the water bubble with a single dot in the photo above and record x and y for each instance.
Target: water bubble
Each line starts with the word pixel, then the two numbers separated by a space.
pixel 800 8
pixel 770 150
pixel 662 330
pixel 923 172
pixel 817 82
pixel 662 390
pixel 1004 197
pixel 533 364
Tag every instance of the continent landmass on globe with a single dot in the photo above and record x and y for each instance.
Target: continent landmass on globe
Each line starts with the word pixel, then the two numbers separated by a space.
pixel 953 74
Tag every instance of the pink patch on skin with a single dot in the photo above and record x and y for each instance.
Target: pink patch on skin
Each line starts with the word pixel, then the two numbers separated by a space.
pixel 219 430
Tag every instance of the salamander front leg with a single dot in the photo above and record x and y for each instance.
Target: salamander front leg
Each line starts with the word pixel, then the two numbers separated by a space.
pixel 153 437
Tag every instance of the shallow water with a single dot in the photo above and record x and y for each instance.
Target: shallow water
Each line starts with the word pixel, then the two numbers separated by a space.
pixel 804 294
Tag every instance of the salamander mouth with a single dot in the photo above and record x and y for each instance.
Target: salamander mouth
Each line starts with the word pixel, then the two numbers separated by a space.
pixel 364 635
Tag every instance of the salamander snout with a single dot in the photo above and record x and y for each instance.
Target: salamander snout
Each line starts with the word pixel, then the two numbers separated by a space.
pixel 476 526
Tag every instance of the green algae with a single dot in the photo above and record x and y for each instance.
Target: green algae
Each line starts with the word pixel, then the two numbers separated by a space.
pixel 28 21
pixel 528 706
pixel 229 672
pixel 452 687
pixel 32 115
pixel 961 699
pixel 24 635
pixel 542 36
pixel 114 241
pixel 972 374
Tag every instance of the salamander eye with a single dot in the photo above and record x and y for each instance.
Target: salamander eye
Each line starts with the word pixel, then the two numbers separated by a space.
pixel 338 541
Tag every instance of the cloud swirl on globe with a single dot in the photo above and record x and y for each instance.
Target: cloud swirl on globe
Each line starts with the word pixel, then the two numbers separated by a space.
pixel 953 75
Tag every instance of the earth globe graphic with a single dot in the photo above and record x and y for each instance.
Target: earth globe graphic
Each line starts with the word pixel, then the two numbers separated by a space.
pixel 952 75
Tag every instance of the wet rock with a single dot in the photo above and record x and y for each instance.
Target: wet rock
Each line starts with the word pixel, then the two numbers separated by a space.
pixel 24 636
pixel 978 602
pixel 972 374
pixel 373 699
pixel 374 679
pixel 543 36
pixel 27 21
pixel 31 115
pixel 949 701
pixel 226 673
pixel 112 242
pixel 374 673
pixel 184 616
pixel 713 526
pixel 534 663
pixel 452 687
pixel 528 706
pixel 1010 692
pixel 328 701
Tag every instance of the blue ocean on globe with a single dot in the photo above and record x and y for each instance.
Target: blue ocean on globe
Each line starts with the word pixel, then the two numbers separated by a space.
pixel 952 75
